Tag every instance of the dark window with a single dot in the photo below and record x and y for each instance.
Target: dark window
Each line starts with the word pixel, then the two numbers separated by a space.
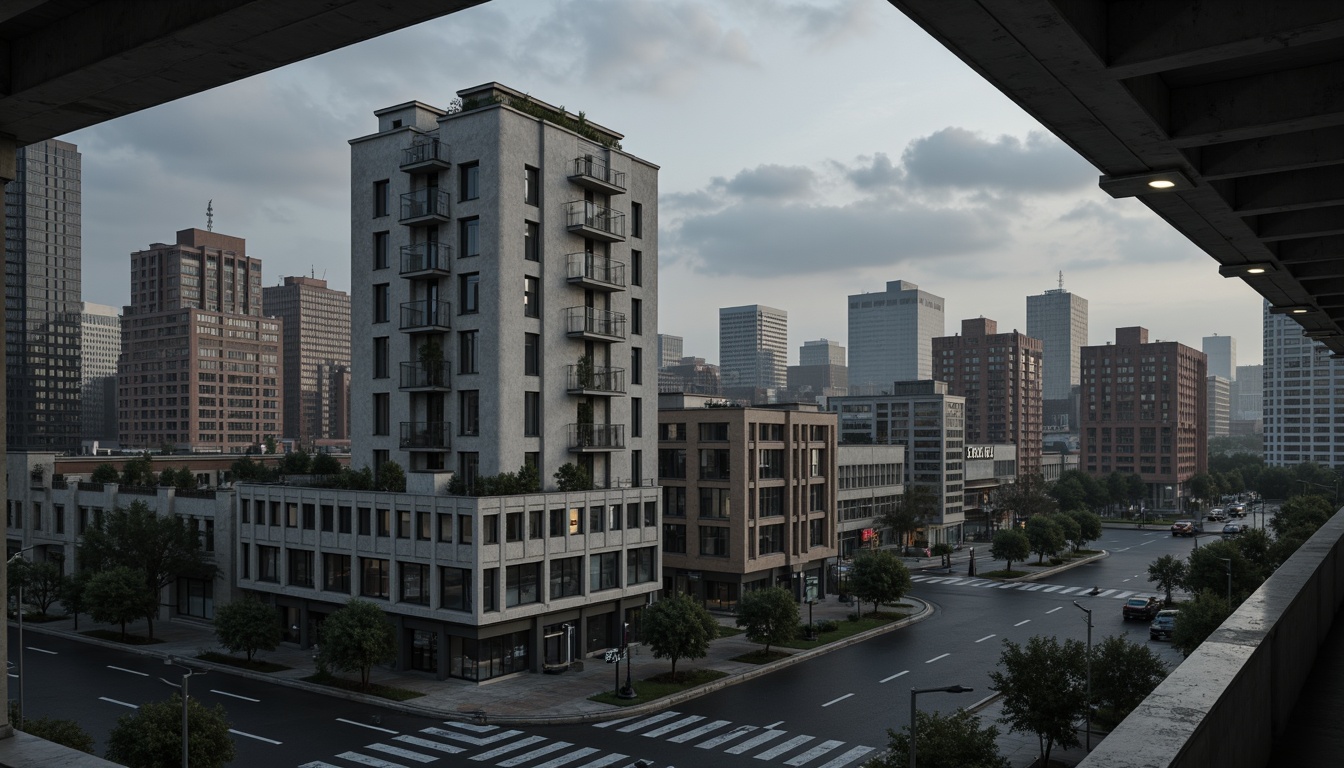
pixel 268 563
pixel 490 529
pixel 469 293
pixel 403 524
pixel 469 467
pixel 489 589
pixel 373 577
pixel 636 267
pixel 650 513
pixel 380 250
pixel 531 414
pixel 531 185
pixel 382 414
pixel 469 241
pixel 672 463
pixel 557 524
pixel 636 317
pixel 466 354
pixel 445 527
pixel 566 577
pixel 532 296
pixel 604 571
pixel 714 502
pixel 816 532
pixel 596 520
pixel 300 567
pixel 637 468
pixel 422 526
pixel 455 589
pixel 636 365
pixel 328 518
pixel 414 583
pixel 636 417
pixel 380 357
pixel 343 519
pixel 365 521
pixel 674 538
pixel 384 517
pixel 531 354
pixel 309 517
pixel 770 539
pixel 380 198
pixel 534 523
pixel 713 541
pixel 636 220
pixel 522 584
pixel 469 183
pixel 336 573
pixel 532 241
pixel 639 566
pixel 513 526
pixel 469 413
pixel 714 464
pixel 380 300
pixel 632 515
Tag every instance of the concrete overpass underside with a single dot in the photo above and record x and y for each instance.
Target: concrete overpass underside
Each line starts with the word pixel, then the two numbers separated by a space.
pixel 1237 103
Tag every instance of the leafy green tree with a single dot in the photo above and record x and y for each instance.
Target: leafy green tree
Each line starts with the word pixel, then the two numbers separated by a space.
pixel 180 478
pixel 1044 689
pixel 1068 527
pixel 1308 511
pixel 1089 528
pixel 1026 498
pixel 877 576
pixel 677 627
pixel 356 637
pixel 1045 535
pixel 67 733
pixel 918 504
pixel 769 616
pixel 1123 674
pixel 1010 545
pixel 1256 546
pixel 1207 571
pixel 1202 486
pixel 247 625
pixel 151 737
pixel 1198 619
pixel 1135 487
pixel 105 473
pixel 391 477
pixel 248 470
pixel 42 585
pixel 138 471
pixel 1169 572
pixel 1274 483
pixel 296 462
pixel 119 596
pixel 1117 491
pixel 72 594
pixel 953 740
pixel 325 464
pixel 1068 493
pixel 572 477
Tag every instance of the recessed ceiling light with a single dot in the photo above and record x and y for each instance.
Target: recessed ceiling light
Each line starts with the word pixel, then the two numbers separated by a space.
pixel 1161 183
pixel 1245 270
pixel 1147 183
pixel 1292 309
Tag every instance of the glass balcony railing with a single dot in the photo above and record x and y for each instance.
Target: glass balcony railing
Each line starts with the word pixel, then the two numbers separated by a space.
pixel 425 155
pixel 426 258
pixel 426 435
pixel 429 204
pixel 595 270
pixel 426 315
pixel 596 378
pixel 430 376
pixel 593 322
pixel 596 437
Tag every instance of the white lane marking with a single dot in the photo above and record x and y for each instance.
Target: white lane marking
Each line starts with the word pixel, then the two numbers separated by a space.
pixel 236 696
pixel 847 758
pixel 898 674
pixel 475 741
pixel 120 703
pixel 570 757
pixel 403 753
pixel 754 742
pixel 983 639
pixel 11 674
pixel 741 730
pixel 1107 592
pixel 542 751
pixel 365 725
pixel 1024 621
pixel 507 748
pixel 1122 581
pixel 772 753
pixel 355 757
pixel 427 744
pixel 774 725
pixel 614 757
pixel 646 722
pixel 670 727
pixel 698 732
pixel 1051 589
pixel 1067 590
pixel 814 753
pixel 1122 595
pixel 935 658
pixel 609 723
pixel 123 669
pixel 918 578
pixel 1052 610
pixel 41 650
pixel 254 736
pixel 836 701
pixel 486 728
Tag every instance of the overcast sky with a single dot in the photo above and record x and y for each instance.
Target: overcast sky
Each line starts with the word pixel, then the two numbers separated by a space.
pixel 809 150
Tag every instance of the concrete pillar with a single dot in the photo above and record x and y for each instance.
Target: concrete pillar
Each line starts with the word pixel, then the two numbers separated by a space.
pixel 305 640
pixel 403 644
pixel 442 671
pixel 8 170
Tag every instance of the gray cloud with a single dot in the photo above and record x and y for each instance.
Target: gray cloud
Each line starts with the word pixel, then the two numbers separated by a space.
pixel 958 158
pixel 875 172
pixel 769 181
pixel 826 24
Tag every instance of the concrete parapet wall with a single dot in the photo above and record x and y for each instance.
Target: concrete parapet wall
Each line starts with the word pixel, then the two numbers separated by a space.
pixel 1225 704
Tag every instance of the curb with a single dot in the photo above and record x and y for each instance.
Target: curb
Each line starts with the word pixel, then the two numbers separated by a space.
pixel 1060 568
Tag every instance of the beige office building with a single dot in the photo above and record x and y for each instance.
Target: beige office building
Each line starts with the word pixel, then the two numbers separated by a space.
pixel 316 349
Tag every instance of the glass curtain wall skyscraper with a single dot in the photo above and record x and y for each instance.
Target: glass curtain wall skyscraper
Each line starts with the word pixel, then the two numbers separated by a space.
pixel 753 347
pixel 1303 397
pixel 891 336
pixel 1059 319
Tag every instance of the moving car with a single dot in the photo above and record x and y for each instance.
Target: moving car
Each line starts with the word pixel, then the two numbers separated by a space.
pixel 1163 625
pixel 1145 608
pixel 1216 514
pixel 1232 529
pixel 1185 528
pixel 1237 510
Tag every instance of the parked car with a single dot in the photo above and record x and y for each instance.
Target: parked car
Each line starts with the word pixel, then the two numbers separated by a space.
pixel 1232 529
pixel 1163 625
pixel 1185 528
pixel 1145 608
pixel 1237 510
pixel 1216 514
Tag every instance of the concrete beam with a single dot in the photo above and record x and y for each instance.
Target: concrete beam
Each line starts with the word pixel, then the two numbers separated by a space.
pixel 1330 248
pixel 1288 191
pixel 1309 149
pixel 1255 106
pixel 1295 225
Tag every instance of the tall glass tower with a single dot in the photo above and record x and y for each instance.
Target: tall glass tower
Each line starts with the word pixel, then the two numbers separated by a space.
pixel 1059 319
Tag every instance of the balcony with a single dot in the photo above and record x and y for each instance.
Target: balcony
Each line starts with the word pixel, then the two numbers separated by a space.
pixel 425 156
pixel 595 221
pixel 426 260
pixel 424 206
pixel 594 324
pixel 592 270
pixel 426 435
pixel 426 316
pixel 592 173
pixel 596 380
pixel 426 377
pixel 596 438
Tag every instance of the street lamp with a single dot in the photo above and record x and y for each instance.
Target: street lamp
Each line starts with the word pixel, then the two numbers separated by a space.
pixel 915 692
pixel 187 672
pixel 628 692
pixel 1088 611
pixel 23 670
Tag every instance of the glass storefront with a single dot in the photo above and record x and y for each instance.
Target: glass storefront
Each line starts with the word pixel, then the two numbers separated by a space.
pixel 491 657
pixel 424 650
pixel 196 597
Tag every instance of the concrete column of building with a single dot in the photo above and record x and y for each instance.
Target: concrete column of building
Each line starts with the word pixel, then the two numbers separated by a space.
pixel 8 149
pixel 403 643
pixel 442 660
pixel 305 636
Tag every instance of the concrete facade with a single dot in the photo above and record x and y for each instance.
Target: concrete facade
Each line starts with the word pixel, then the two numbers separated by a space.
pixel 753 349
pixel 100 347
pixel 891 335
pixel 1303 397
pixel 1219 403
pixel 1222 354
pixel 316 348
pixel 669 350
pixel 1059 319
pixel 871 482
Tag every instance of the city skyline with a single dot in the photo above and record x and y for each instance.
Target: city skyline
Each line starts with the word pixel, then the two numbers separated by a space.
pixel 932 176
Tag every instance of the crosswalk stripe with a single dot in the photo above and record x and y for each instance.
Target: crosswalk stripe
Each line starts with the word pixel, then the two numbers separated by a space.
pixel 1032 587
pixel 403 753
pixel 1067 590
pixel 374 762
pixel 472 726
pixel 646 722
pixel 755 741
pixel 776 751
pixel 577 754
pixel 526 757
pixel 698 732
pixel 472 740
pixel 741 730
pixel 1107 592
pixel 991 585
pixel 814 753
pixel 955 581
pixel 1051 589
pixel 919 578
pixel 609 723
pixel 848 757
pixel 670 727
pixel 507 748
pixel 1009 586
pixel 602 762
pixel 975 583
pixel 1122 595
pixel 427 744
pixel 317 764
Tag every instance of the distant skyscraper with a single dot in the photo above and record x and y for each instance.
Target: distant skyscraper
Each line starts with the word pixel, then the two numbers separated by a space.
pixel 891 336
pixel 1222 354
pixel 316 346
pixel 1059 319
pixel 1247 404
pixel 1219 405
pixel 821 371
pixel 753 347
pixel 1300 377
pixel 42 298
pixel 100 348
pixel 821 352
pixel 669 350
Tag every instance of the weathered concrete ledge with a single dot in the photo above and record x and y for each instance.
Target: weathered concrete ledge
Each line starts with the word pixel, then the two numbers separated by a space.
pixel 1228 701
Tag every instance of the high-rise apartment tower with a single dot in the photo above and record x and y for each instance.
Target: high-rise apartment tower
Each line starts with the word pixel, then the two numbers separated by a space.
pixel 1304 416
pixel 1222 354
pixel 99 352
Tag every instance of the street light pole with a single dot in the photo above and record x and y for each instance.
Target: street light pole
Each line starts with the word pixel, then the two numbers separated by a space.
pixel 1088 611
pixel 1228 560
pixel 915 692
pixel 628 692
pixel 23 670
pixel 187 672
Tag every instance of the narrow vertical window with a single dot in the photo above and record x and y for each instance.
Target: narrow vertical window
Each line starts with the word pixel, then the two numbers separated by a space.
pixel 636 267
pixel 380 357
pixel 469 293
pixel 532 296
pixel 531 185
pixel 380 196
pixel 380 250
pixel 636 220
pixel 532 241
pixel 469 182
pixel 531 354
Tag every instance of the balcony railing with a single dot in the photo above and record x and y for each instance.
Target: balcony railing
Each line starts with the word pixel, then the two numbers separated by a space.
pixel 593 270
pixel 592 173
pixel 424 206
pixel 425 155
pixel 426 259
pixel 596 437
pixel 596 324
pixel 599 379
pixel 425 316
pixel 431 377
pixel 595 221
pixel 426 435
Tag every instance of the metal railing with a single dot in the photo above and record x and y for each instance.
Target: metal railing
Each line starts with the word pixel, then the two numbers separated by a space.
pixel 423 203
pixel 581 213
pixel 426 257
pixel 596 378
pixel 425 375
pixel 593 168
pixel 591 320
pixel 596 268
pixel 425 314
pixel 425 151
pixel 434 435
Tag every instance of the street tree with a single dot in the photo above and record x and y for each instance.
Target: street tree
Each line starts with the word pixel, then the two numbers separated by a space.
pixel 356 637
pixel 1043 684
pixel 953 740
pixel 1026 498
pixel 105 473
pixel 151 737
pixel 1256 546
pixel 42 585
pixel 1274 483
pixel 1136 488
pixel 1302 512
pixel 1198 619
pixel 1045 535
pixel 1068 527
pixel 119 596
pixel 1011 545
pixel 72 596
pixel 161 549
pixel 1206 570
pixel 1068 493
pixel 769 616
pixel 325 464
pixel 247 625
pixel 1123 674
pixel 1117 491
pixel 1089 528
pixel 67 733
pixel 1203 486
pixel 1169 573
pixel 878 577
pixel 678 627
pixel 918 504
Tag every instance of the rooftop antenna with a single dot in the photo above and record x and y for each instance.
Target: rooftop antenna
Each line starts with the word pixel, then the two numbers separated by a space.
pixel 210 216
pixel 1061 279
